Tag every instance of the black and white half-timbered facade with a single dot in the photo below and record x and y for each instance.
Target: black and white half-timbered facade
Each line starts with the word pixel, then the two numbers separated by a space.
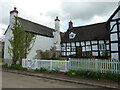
pixel 85 41
pixel 100 40
pixel 114 28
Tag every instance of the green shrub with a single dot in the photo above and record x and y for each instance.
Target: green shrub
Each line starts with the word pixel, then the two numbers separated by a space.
pixel 41 70
pixel 92 74
pixel 4 66
pixel 54 71
pixel 16 67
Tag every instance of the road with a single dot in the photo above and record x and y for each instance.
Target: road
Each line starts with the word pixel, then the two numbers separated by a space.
pixel 13 80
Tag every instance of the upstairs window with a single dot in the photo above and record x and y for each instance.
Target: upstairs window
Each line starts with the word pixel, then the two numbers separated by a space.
pixel 72 35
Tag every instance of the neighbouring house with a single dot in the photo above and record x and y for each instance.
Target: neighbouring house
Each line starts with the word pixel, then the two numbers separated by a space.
pixel 100 40
pixel 46 37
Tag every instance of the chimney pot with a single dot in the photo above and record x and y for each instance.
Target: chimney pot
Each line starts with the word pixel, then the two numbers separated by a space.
pixel 70 24
pixel 57 19
pixel 14 10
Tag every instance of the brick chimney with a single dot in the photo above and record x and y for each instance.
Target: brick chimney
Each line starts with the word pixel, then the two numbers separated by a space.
pixel 70 24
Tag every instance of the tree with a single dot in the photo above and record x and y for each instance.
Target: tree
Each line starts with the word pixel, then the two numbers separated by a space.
pixel 21 42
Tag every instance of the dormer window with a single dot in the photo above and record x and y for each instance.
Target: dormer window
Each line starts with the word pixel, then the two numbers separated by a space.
pixel 72 35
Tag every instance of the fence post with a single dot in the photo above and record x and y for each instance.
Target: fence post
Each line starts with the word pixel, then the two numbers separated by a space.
pixel 66 69
pixel 69 63
pixel 28 66
pixel 50 64
pixel 36 64
pixel 96 65
pixel 23 62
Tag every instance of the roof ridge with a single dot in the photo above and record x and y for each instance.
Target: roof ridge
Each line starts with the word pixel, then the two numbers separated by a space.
pixel 91 24
pixel 36 23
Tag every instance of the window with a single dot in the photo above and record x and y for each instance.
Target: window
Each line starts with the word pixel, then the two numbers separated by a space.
pixel 68 48
pixel 87 42
pixel 101 42
pixel 63 49
pixel 94 42
pixel 114 46
pixel 73 49
pixel 102 46
pixel 94 47
pixel 113 37
pixel 72 44
pixel 77 44
pixel 95 53
pixel 63 44
pixel 72 35
pixel 83 49
pixel 88 48
pixel 82 43
pixel 73 53
pixel 68 44
pixel 63 53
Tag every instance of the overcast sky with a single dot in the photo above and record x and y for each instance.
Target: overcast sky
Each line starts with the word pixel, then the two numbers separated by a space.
pixel 45 11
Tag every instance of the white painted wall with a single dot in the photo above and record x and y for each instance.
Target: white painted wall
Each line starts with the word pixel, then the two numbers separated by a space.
pixel 41 43
pixel 8 35
pixel 57 38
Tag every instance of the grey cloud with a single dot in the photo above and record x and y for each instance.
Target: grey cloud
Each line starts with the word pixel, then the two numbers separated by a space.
pixel 83 10
pixel 52 13
pixel 5 9
pixel 86 11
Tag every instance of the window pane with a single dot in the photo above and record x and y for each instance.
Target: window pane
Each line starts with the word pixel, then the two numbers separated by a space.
pixel 94 53
pixel 72 44
pixel 68 48
pixel 68 44
pixel 113 37
pixel 77 43
pixel 101 42
pixel 114 55
pixel 73 49
pixel 88 48
pixel 87 42
pixel 114 46
pixel 83 49
pixel 82 43
pixel 94 42
pixel 94 47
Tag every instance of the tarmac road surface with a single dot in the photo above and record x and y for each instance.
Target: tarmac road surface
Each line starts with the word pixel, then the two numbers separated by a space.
pixel 14 80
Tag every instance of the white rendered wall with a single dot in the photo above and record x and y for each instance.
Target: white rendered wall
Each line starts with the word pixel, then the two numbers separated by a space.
pixel 41 43
pixel 57 38
pixel 8 35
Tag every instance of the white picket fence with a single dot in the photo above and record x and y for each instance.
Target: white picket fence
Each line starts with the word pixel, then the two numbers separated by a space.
pixel 62 66
pixel 101 65
pixel 74 64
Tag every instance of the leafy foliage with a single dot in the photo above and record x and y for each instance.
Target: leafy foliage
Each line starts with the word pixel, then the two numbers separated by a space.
pixel 41 70
pixel 96 75
pixel 20 42
pixel 15 66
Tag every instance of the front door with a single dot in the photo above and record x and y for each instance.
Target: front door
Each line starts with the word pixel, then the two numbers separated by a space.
pixel 79 51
